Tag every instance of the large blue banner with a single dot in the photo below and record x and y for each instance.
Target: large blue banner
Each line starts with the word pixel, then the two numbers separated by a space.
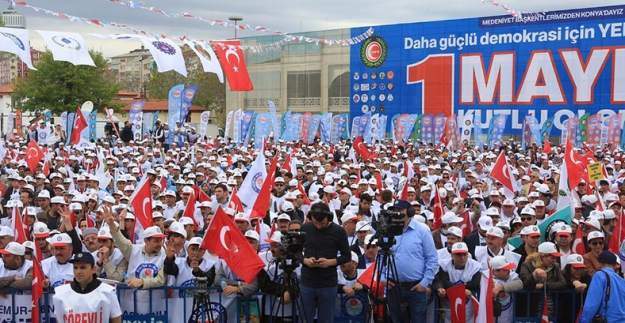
pixel 553 65
pixel 174 104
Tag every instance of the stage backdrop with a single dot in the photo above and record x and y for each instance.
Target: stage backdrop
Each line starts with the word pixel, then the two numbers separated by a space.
pixel 551 64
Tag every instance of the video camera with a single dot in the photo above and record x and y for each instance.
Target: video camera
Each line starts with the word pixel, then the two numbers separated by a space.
pixel 389 225
pixel 292 248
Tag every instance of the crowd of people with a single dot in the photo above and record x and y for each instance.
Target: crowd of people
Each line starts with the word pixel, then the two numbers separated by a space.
pixel 83 225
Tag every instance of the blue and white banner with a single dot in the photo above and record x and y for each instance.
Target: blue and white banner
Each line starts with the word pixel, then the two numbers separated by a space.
pixel 313 128
pixel 174 104
pixel 93 115
pixel 275 121
pixel 294 122
pixel 135 116
pixel 187 100
pixel 247 123
pixel 340 123
pixel 262 128
pixel 553 65
pixel 325 127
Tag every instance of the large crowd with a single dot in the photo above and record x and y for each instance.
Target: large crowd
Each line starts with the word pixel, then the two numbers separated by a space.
pixel 72 205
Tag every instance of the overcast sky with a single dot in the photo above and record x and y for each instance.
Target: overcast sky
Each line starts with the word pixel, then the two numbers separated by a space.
pixel 283 15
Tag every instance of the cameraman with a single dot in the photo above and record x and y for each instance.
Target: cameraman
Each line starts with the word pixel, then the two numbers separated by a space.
pixel 416 262
pixel 325 240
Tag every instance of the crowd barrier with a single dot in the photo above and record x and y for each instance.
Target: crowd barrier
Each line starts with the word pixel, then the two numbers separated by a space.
pixel 15 306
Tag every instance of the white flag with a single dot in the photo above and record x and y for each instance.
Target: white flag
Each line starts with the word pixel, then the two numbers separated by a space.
pixel 166 54
pixel 253 181
pixel 15 41
pixel 67 47
pixel 207 57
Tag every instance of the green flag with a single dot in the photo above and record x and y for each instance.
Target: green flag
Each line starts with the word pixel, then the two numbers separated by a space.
pixel 563 215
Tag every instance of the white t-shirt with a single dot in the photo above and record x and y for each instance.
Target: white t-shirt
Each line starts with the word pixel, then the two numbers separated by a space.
pixel 57 274
pixel 98 306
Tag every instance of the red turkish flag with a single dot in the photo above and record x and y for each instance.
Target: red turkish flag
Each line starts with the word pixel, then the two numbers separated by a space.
pixel 18 226
pixel 80 123
pixel 301 189
pixel 546 146
pixel 141 202
pixel 235 202
pixel 37 284
pixel 163 183
pixel 46 168
pixel 224 240
pixel 366 277
pixel 545 317
pixel 467 225
pixel 437 209
pixel 189 209
pixel 501 172
pixel 456 295
pixel 263 201
pixel 287 163
pixel 575 166
pixel 232 61
pixel 361 149
pixel 200 195
pixel 34 154
pixel 378 181
pixel 578 243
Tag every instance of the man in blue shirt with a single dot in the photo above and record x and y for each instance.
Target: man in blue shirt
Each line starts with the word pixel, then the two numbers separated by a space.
pixel 597 291
pixel 417 263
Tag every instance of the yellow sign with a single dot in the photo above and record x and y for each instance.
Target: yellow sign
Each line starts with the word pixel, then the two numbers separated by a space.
pixel 594 172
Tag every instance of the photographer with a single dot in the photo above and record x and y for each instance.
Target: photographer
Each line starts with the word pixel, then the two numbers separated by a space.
pixel 324 241
pixel 417 262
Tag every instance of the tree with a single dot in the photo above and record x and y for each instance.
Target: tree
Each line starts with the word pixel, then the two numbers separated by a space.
pixel 60 86
pixel 210 94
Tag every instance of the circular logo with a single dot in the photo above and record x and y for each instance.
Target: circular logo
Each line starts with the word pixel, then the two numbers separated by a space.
pixel 66 42
pixel 382 75
pixel 372 97
pixel 390 86
pixel 373 108
pixel 353 306
pixel 164 47
pixel 356 98
pixel 390 98
pixel 356 76
pixel 382 86
pixel 364 98
pixel 373 52
pixel 356 87
pixel 176 93
pixel 374 86
pixel 16 40
pixel 365 76
pixel 257 182
pixel 382 97
pixel 365 108
pixel 390 75
pixel 374 76
pixel 204 117
pixel 146 270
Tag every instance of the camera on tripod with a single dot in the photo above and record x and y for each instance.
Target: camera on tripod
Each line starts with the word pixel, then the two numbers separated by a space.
pixel 389 225
pixel 292 248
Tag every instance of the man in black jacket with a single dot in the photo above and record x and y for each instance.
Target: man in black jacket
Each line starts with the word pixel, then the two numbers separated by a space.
pixel 126 134
pixel 324 240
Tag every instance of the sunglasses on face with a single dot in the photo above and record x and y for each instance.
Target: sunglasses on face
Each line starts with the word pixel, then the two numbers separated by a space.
pixel 529 218
pixel 596 243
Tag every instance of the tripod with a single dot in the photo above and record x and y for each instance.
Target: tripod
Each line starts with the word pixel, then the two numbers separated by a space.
pixel 289 283
pixel 385 268
pixel 202 307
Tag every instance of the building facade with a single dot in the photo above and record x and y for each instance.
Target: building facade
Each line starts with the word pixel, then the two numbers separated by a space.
pixel 301 77
pixel 132 70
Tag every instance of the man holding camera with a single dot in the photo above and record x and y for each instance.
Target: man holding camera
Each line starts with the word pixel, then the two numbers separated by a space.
pixel 325 248
pixel 416 262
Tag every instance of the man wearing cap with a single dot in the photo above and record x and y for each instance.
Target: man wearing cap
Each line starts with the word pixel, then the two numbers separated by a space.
pixel 530 235
pixel 110 262
pixel 277 194
pixel 363 228
pixel 459 268
pixel 86 299
pixel 605 293
pixel 348 276
pixel 449 219
pixel 15 270
pixel 144 261
pixel 542 270
pixel 478 237
pixel 454 234
pixel 494 247
pixel 506 281
pixel 416 261
pixel 349 221
pixel 596 243
pixel 57 269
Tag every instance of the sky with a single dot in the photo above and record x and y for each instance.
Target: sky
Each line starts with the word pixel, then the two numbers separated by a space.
pixel 282 15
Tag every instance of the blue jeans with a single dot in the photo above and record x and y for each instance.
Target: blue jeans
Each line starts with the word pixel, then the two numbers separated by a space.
pixel 321 301
pixel 406 306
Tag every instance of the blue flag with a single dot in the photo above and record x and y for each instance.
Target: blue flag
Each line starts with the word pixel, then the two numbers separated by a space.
pixel 174 104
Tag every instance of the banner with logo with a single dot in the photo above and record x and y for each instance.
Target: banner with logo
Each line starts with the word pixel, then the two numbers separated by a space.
pixel 294 122
pixel 236 125
pixel 427 129
pixel 545 131
pixel 417 129
pixel 466 126
pixel 204 120
pixel 69 125
pixel 325 127
pixel 340 123
pixel 187 100
pixel 247 121
pixel 478 133
pixel 614 131
pixel 262 128
pixel 593 130
pixel 306 117
pixel 496 129
pixel 135 116
pixel 402 126
pixel 553 65
pixel 148 123
pixel 356 127
pixel 439 127
pixel 93 115
pixel 313 128
pixel 174 104
pixel 275 121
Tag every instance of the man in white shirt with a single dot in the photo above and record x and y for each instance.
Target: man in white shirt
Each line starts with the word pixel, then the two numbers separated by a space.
pixel 86 297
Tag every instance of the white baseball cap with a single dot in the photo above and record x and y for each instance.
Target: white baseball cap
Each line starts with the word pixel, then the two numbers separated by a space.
pixel 153 232
pixel 530 230
pixel 595 235
pixel 354 257
pixel 451 217
pixel 485 222
pixel 13 248
pixel 195 240
pixel 104 233
pixel 495 232
pixel 178 228
pixel 575 260
pixel 40 230
pixel 60 239
pixel 252 235
pixel 500 262
pixel 455 231
pixel 548 248
pixel 363 226
pixel 276 236
pixel 459 247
